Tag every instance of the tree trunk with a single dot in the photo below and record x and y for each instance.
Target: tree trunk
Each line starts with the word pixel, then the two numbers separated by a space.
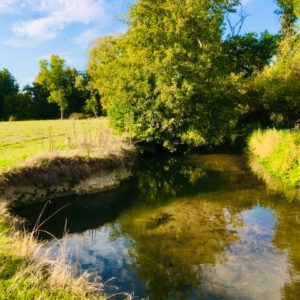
pixel 61 113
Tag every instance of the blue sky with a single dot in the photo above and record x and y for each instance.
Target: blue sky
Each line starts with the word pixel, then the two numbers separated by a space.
pixel 34 29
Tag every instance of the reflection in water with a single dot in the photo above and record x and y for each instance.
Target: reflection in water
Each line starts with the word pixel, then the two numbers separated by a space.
pixel 200 227
pixel 254 268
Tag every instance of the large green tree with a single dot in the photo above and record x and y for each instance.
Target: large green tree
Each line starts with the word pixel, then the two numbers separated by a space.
pixel 66 87
pixel 54 76
pixel 164 80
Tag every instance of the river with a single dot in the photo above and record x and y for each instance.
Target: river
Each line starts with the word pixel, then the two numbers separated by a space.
pixel 195 227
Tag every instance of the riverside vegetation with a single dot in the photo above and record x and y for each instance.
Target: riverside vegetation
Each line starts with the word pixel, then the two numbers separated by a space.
pixel 275 156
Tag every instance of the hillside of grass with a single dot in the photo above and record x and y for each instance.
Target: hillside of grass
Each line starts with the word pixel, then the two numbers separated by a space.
pixel 278 154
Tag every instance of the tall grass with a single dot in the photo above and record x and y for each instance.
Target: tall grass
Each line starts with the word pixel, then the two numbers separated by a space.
pixel 23 275
pixel 278 152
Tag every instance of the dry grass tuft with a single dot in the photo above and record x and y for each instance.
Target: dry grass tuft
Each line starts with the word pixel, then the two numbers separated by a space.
pixel 33 272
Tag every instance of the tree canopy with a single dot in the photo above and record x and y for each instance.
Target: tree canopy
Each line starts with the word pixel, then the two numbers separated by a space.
pixel 171 78
pixel 164 79
pixel 55 77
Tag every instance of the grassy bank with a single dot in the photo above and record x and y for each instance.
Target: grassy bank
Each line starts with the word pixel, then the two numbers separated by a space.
pixel 275 156
pixel 24 277
pixel 45 153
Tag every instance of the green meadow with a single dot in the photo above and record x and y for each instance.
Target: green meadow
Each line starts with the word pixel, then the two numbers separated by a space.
pixel 21 142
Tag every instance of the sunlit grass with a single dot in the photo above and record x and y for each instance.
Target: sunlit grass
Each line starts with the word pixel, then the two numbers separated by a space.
pixel 24 277
pixel 23 141
pixel 279 153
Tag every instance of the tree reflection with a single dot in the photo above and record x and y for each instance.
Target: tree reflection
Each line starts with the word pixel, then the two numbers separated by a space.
pixel 163 180
pixel 171 244
pixel 175 235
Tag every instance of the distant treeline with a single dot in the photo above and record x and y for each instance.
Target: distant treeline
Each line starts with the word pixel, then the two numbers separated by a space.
pixel 182 76
pixel 58 90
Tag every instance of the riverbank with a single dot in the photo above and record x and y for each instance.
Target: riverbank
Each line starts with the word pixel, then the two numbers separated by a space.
pixel 43 160
pixel 275 157
pixel 23 276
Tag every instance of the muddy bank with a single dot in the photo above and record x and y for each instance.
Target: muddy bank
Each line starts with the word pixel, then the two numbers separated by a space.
pixel 61 177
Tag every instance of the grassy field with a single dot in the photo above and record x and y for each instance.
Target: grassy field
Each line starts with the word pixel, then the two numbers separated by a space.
pixel 278 151
pixel 22 142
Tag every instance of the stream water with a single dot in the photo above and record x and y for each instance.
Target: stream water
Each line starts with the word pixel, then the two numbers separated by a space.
pixel 199 227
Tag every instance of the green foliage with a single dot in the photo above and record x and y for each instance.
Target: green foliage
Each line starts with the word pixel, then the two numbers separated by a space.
pixel 92 107
pixel 166 74
pixel 275 90
pixel 289 11
pixel 279 152
pixel 53 76
pixel 18 106
pixel 278 86
pixel 249 53
pixel 40 108
pixel 8 85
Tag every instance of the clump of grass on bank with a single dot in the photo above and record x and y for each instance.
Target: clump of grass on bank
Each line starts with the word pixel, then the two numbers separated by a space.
pixel 276 157
pixel 24 277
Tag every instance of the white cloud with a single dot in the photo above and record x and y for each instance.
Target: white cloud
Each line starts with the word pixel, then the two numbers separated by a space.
pixel 7 5
pixel 56 15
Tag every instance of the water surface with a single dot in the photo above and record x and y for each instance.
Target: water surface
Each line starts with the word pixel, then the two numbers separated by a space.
pixel 198 227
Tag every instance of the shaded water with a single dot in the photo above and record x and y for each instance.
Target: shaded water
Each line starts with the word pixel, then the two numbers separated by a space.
pixel 200 227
